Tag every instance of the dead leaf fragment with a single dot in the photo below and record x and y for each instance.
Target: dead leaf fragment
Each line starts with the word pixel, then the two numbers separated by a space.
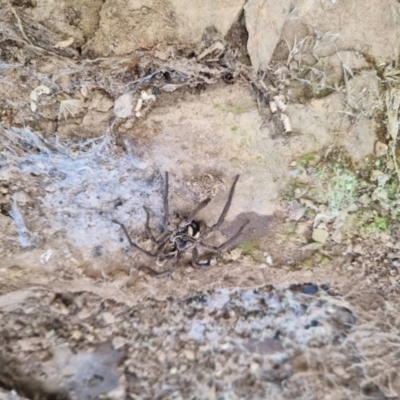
pixel 36 93
pixel 218 47
pixel 381 149
pixel 69 107
pixel 170 87
pixel 64 43
pixel 39 91
pixel 322 218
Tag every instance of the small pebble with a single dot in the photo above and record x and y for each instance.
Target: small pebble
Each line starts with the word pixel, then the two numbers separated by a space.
pixel 254 367
pixel 118 342
pixel 108 318
pixel 76 334
pixel 381 149
pixel 189 354
pixel 309 289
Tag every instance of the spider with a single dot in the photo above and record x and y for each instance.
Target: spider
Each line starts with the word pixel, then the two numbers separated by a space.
pixel 183 233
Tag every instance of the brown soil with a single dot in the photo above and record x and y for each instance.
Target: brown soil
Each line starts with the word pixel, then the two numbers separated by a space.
pixel 278 314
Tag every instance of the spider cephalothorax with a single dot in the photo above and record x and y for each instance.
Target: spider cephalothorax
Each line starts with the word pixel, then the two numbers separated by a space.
pixel 182 233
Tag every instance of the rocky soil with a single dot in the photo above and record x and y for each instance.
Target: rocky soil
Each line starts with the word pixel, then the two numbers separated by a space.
pixel 98 99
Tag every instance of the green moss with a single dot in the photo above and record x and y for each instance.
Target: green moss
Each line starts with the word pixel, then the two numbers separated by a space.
pixel 337 183
pixel 307 159
pixel 335 186
pixel 289 193
pixel 333 181
pixel 380 224
pixel 367 224
pixel 250 248
pixel 341 191
pixel 309 213
pixel 393 190
pixel 325 260
pixel 338 158
pixel 289 230
pixel 320 259
pixel 234 128
pixel 307 263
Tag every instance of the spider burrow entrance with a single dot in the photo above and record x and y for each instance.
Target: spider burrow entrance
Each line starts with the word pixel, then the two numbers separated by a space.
pixel 186 234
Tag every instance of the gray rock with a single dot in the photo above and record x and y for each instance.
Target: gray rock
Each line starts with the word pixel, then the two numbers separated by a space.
pixel 333 65
pixel 320 235
pixel 123 107
pixel 264 23
pixel 372 27
pixel 147 23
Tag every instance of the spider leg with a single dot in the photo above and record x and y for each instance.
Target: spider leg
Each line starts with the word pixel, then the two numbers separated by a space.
pixel 210 248
pixel 197 209
pixel 162 244
pixel 157 274
pixel 162 237
pixel 227 205
pixel 148 230
pixel 166 207
pixel 196 264
pixel 226 244
pixel 134 245
pixel 160 274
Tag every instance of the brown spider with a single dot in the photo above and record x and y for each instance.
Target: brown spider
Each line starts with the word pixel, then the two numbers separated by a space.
pixel 182 234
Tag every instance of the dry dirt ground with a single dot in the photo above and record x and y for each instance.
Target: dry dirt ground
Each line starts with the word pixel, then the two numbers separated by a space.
pixel 99 99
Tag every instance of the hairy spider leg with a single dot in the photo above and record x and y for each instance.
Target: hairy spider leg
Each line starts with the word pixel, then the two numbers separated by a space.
pixel 227 205
pixel 196 262
pixel 226 244
pixel 166 207
pixel 162 237
pixel 160 274
pixel 134 245
pixel 147 226
pixel 157 274
pixel 197 209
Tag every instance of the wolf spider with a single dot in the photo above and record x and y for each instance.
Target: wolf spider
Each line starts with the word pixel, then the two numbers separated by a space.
pixel 182 234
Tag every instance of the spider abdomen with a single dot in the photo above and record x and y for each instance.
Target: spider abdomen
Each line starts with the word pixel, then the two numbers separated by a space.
pixel 193 229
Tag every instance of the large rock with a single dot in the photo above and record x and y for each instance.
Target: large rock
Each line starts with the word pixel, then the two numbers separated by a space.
pixel 77 19
pixel 347 115
pixel 333 66
pixel 372 27
pixel 264 23
pixel 126 25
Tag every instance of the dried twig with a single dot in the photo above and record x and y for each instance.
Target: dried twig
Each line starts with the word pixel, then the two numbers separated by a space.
pixel 20 27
